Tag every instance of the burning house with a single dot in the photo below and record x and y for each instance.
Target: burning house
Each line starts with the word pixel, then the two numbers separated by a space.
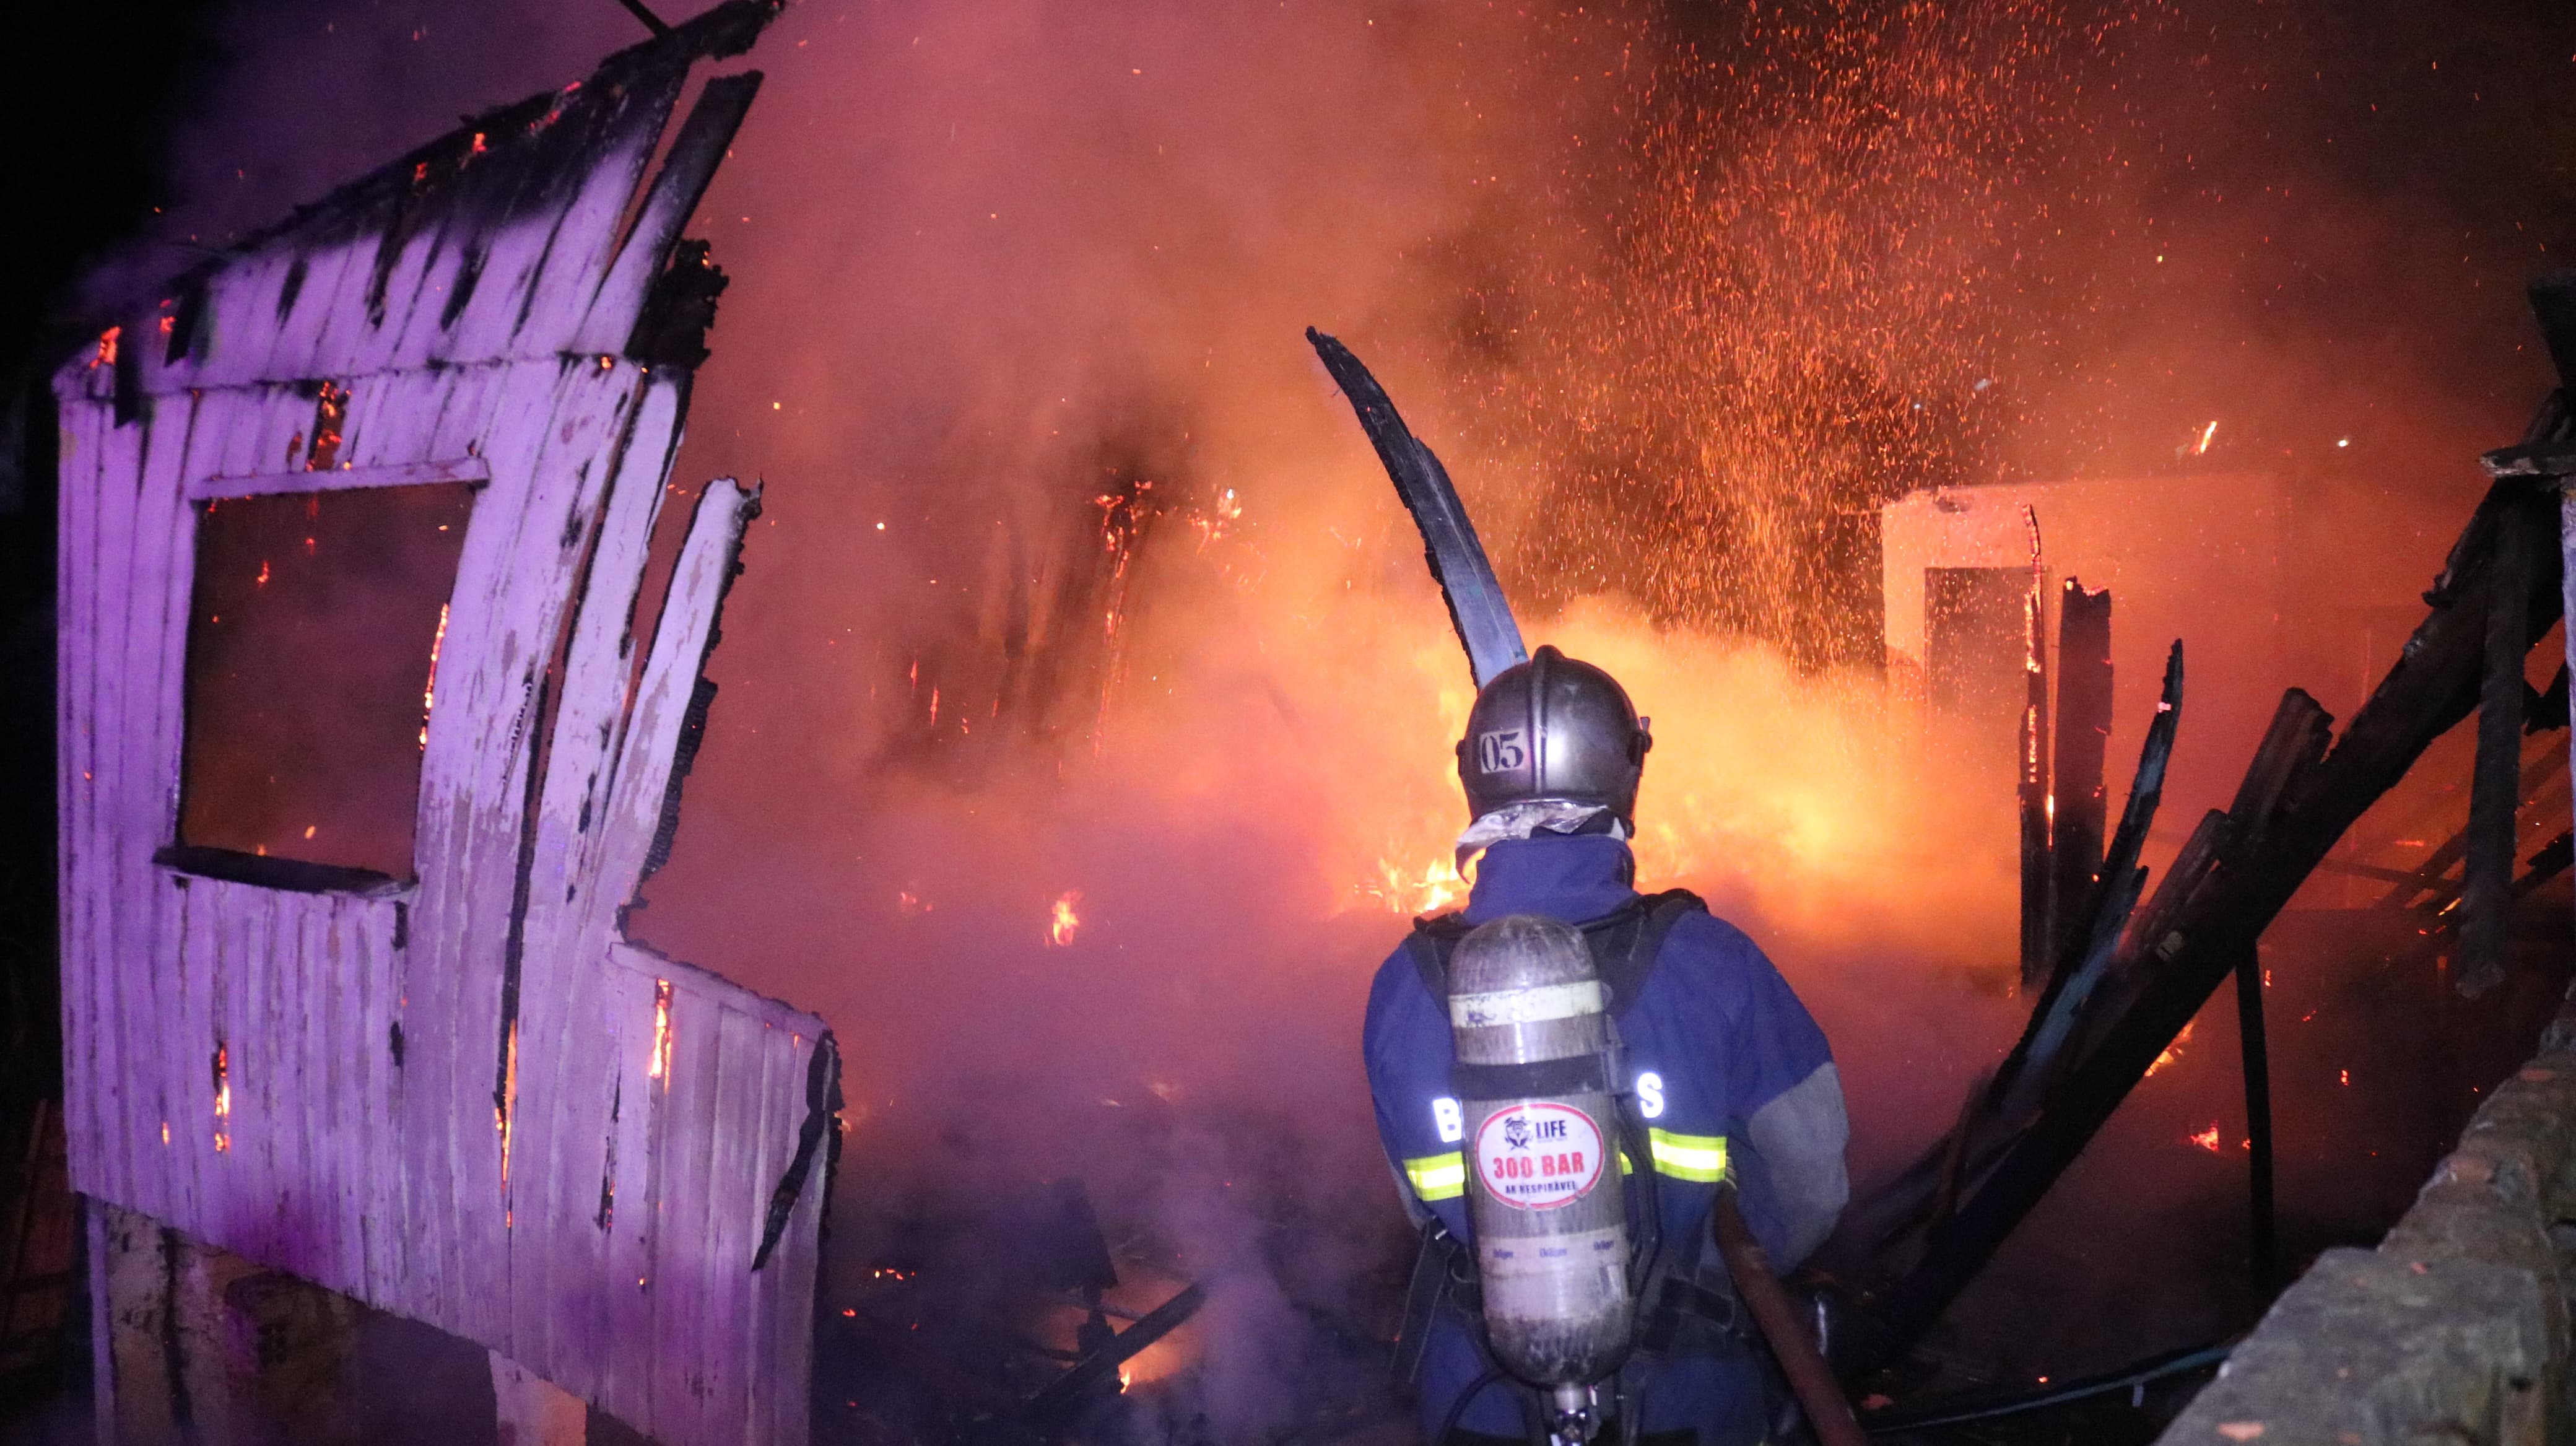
pixel 364 758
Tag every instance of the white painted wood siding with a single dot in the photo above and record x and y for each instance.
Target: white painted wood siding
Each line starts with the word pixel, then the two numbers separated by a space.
pixel 354 1132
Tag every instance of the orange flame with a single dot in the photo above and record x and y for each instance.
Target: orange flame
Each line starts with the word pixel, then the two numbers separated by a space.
pixel 2206 1139
pixel 223 1099
pixel 428 690
pixel 2171 1053
pixel 1062 921
pixel 509 1097
pixel 1428 889
pixel 660 1068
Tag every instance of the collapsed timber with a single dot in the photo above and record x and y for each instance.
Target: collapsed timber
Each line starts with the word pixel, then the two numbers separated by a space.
pixel 2121 981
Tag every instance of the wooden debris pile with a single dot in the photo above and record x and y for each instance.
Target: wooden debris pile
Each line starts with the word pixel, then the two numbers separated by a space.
pixel 2121 980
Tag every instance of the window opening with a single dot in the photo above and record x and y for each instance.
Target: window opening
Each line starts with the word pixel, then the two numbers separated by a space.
pixel 314 635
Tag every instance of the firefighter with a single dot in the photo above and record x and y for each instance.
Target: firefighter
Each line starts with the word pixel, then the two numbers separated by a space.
pixel 1727 1079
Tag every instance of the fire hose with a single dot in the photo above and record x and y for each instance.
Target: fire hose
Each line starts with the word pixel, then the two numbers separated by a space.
pixel 1800 1361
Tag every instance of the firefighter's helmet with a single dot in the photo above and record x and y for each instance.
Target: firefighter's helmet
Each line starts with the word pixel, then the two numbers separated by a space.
pixel 1553 728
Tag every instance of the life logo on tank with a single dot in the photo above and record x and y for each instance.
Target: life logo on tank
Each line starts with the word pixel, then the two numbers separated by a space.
pixel 1538 1156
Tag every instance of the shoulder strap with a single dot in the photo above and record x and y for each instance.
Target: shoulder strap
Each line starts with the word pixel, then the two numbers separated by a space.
pixel 1629 942
pixel 1624 942
pixel 1434 938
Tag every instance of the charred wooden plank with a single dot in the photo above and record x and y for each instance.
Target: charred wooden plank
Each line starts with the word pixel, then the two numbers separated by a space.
pixel 2541 781
pixel 2553 305
pixel 2496 784
pixel 1887 1226
pixel 1100 1366
pixel 397 474
pixel 2163 980
pixel 2543 460
pixel 2545 709
pixel 2153 931
pixel 619 307
pixel 652 22
pixel 2038 871
pixel 2296 742
pixel 2054 1017
pixel 648 775
pixel 2079 813
pixel 2256 1059
pixel 2552 860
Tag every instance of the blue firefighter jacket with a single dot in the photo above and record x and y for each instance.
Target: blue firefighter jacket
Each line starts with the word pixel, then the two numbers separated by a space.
pixel 1713 1037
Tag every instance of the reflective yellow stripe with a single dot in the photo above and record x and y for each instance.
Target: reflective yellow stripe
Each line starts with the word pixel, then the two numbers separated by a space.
pixel 1689 1157
pixel 1438 1177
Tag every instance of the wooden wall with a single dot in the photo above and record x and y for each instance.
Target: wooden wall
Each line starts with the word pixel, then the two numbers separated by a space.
pixel 465 1098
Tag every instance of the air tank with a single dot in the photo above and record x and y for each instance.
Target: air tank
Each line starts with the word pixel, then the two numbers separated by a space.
pixel 1534 1083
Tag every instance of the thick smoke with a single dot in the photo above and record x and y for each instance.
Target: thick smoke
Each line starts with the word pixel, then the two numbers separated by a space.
pixel 1077 580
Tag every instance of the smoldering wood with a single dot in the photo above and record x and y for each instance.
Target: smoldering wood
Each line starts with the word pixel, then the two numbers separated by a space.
pixel 2032 763
pixel 1884 1230
pixel 467 1099
pixel 2082 731
pixel 968 1307
pixel 2554 459
pixel 2553 305
pixel 2300 732
pixel 2553 859
pixel 1098 1368
pixel 2546 708
pixel 2256 1059
pixel 2299 796
pixel 2428 886
pixel 2354 868
pixel 2430 878
pixel 2495 793
pixel 2073 982
pixel 397 474
pixel 618 313
pixel 644 13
